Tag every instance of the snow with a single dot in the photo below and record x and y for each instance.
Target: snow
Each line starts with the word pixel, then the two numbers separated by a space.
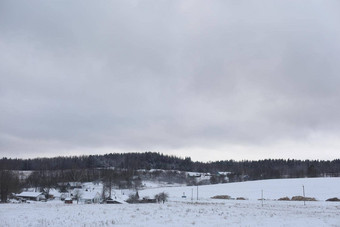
pixel 55 193
pixel 199 176
pixel 229 213
pixel 223 173
pixel 90 195
pixel 159 184
pixel 29 194
pixel 186 212
pixel 23 175
pixel 320 188
pixel 194 174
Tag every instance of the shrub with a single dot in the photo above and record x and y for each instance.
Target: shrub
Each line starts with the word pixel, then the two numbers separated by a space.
pixel 335 199
pixel 162 197
pixel 284 199
pixel 240 198
pixel 221 197
pixel 133 198
pixel 301 198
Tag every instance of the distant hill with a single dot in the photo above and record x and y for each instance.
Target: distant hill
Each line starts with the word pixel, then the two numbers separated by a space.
pixel 240 170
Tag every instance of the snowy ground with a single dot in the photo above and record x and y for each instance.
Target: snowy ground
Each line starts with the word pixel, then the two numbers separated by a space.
pixel 228 213
pixel 319 188
pixel 203 212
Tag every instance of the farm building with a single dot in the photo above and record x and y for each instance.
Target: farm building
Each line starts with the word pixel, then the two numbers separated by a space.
pixel 194 174
pixel 36 196
pixel 54 194
pixel 90 197
pixel 68 201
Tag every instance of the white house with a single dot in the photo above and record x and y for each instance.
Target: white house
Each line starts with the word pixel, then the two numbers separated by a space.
pixel 194 174
pixel 90 197
pixel 55 194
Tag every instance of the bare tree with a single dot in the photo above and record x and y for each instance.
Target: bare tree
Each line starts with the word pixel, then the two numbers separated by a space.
pixel 162 197
pixel 107 177
pixel 47 182
pixel 77 195
pixel 9 183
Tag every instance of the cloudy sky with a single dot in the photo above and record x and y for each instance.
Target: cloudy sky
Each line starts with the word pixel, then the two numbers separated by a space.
pixel 213 80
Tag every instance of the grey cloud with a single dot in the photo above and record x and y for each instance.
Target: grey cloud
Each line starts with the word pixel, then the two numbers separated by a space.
pixel 138 75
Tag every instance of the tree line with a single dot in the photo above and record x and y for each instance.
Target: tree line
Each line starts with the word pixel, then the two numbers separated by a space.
pixel 253 170
pixel 128 170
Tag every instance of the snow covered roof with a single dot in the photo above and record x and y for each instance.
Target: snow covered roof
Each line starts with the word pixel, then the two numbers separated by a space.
pixel 90 195
pixel 29 194
pixel 194 174
pixel 156 170
pixel 55 193
pixel 224 173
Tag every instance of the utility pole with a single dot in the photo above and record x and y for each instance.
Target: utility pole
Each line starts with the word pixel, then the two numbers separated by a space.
pixel 197 192
pixel 262 197
pixel 304 196
pixel 192 194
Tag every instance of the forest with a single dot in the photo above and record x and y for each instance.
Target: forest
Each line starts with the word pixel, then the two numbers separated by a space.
pixel 129 170
pixel 254 170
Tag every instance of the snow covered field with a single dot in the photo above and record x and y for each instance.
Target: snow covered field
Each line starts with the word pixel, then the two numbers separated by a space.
pixel 228 213
pixel 186 212
pixel 320 188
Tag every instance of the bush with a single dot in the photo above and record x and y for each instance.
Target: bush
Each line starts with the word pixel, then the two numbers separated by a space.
pixel 301 198
pixel 284 199
pixel 221 197
pixel 162 197
pixel 133 198
pixel 335 199
pixel 240 198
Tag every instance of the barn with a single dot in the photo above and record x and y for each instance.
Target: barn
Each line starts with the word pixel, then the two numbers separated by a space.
pixel 36 196
pixel 68 201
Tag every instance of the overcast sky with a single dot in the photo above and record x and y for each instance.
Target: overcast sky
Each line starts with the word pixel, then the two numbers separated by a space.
pixel 213 80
